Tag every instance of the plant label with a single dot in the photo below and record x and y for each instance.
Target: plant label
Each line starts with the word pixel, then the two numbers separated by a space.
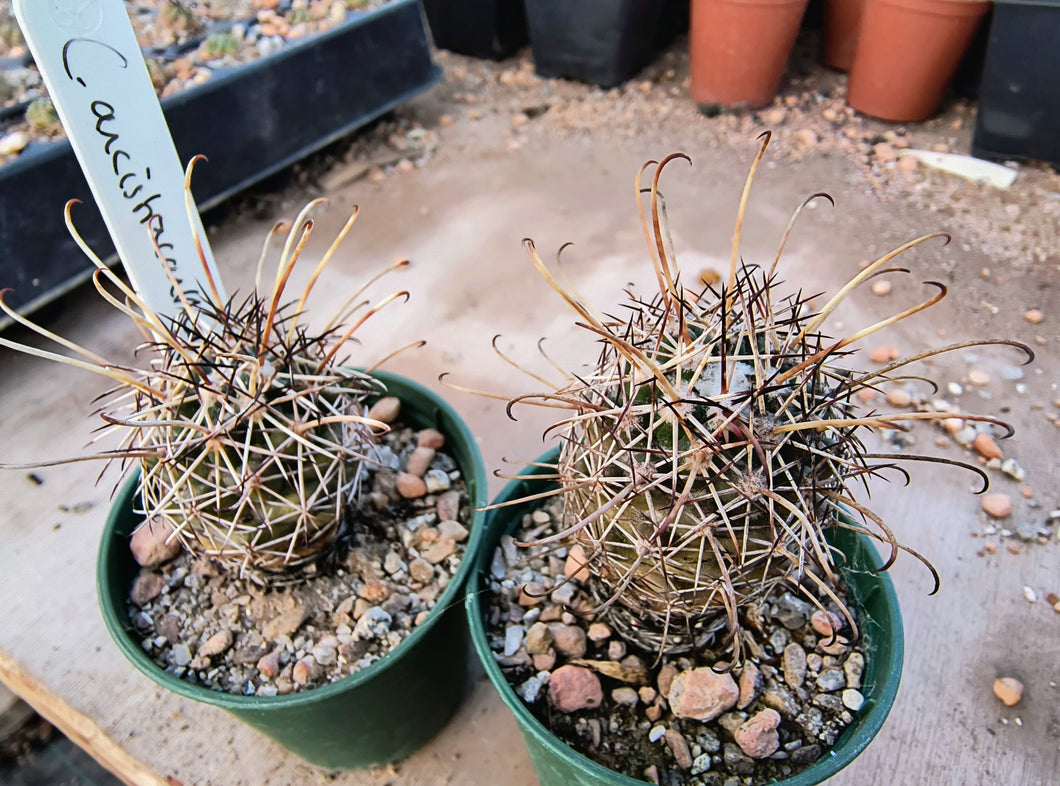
pixel 91 63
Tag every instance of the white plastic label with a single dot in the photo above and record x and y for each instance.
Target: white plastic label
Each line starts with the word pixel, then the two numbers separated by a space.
pixel 91 63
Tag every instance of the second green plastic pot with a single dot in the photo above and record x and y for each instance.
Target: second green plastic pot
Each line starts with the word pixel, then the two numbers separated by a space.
pixel 557 764
pixel 352 723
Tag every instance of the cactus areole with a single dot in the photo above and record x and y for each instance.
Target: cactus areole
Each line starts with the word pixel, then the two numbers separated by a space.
pixel 713 443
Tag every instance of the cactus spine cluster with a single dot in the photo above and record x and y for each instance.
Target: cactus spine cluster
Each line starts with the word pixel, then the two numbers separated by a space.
pixel 251 438
pixel 710 448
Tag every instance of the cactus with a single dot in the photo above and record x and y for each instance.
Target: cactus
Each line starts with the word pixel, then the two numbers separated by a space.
pixel 251 438
pixel 42 116
pixel 711 447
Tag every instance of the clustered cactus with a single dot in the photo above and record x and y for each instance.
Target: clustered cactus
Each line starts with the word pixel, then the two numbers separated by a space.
pixel 713 444
pixel 251 437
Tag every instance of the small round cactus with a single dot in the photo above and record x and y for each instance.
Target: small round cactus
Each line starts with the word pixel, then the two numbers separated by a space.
pixel 251 436
pixel 709 450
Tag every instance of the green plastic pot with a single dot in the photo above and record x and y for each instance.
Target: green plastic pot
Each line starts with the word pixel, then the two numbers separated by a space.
pixel 557 764
pixel 353 723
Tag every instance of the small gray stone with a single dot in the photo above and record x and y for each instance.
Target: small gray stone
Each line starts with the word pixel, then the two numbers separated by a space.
pixel 436 480
pixel 530 690
pixel 657 733
pixel 374 623
pixel 791 612
pixel 513 639
pixel 735 760
pixel 325 656
pixel 180 655
pixel 829 702
pixel 625 695
pixel 831 680
pixel 701 764
pixel 794 665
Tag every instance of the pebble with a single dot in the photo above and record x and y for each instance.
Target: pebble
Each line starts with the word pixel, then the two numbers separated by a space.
pixel 269 664
pixel 576 566
pixel 881 287
pixel 625 696
pixel 985 445
pixel 284 624
pixel 531 689
pixel 883 355
pixel 758 736
pixel 1029 594
pixel 420 461
pixel 538 639
pixel 1034 316
pixel 678 746
pixel 825 624
pixel 441 549
pixel 665 678
pixel 656 733
pixel 409 486
pixel 568 640
pixel 386 409
pixel 147 586
pixel 736 761
pixel 13 143
pixel 305 670
pixel 216 644
pixel 791 612
pixel 899 398
pixel 599 632
pixel 978 377
pixel 794 665
pixel 1012 468
pixel 448 506
pixel 831 680
pixel 1009 690
pixel 437 480
pixel 702 694
pixel 884 152
pixel 853 667
pixel 997 506
pixel 421 570
pixel 374 623
pixel 750 684
pixel 573 688
pixel 853 700
pixel 180 655
pixel 152 543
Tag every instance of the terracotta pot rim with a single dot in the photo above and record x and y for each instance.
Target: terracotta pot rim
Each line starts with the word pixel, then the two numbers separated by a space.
pixel 940 7
pixel 753 2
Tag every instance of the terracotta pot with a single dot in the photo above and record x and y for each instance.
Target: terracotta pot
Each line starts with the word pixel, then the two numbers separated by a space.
pixel 907 53
pixel 739 48
pixel 839 39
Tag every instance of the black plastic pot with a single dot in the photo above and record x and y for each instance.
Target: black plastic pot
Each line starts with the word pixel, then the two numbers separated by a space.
pixel 352 723
pixel 557 764
pixel 490 29
pixel 250 122
pixel 604 43
pixel 1019 95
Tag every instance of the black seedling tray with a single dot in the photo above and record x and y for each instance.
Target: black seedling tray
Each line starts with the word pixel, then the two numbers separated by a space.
pixel 250 122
